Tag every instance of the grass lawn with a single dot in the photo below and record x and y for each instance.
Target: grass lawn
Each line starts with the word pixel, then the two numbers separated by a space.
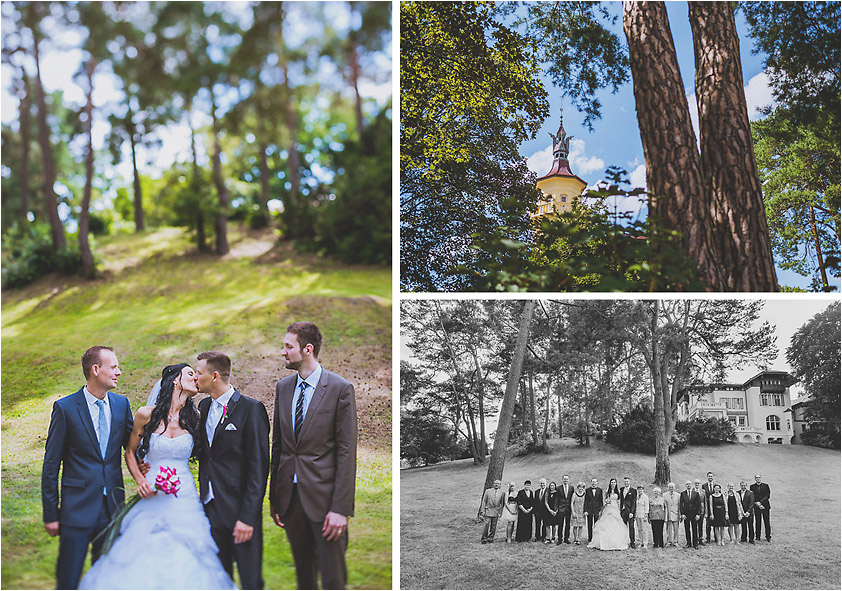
pixel 440 538
pixel 159 303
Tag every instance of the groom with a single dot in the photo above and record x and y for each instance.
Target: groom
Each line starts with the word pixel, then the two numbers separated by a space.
pixel 88 431
pixel 314 451
pixel 233 468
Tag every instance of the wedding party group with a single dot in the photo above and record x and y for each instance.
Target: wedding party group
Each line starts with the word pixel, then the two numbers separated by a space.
pixel 171 535
pixel 621 518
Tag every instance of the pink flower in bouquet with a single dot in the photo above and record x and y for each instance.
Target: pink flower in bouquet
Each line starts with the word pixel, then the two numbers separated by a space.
pixel 167 481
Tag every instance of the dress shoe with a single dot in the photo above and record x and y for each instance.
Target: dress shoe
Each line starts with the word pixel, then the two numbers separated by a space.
pixel 566 541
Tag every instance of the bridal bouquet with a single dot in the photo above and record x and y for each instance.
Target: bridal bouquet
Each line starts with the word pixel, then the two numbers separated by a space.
pixel 167 482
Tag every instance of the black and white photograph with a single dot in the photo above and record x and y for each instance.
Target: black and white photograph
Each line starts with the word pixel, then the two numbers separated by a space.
pixel 620 444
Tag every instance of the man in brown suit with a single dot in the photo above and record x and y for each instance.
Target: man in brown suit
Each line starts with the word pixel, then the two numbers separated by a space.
pixel 314 456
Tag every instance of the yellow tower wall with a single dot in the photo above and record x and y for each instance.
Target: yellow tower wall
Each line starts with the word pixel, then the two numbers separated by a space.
pixel 562 190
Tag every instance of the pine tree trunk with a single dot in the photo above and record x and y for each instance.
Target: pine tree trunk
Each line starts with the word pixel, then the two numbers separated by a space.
pixel 292 126
pixel 57 235
pixel 654 358
pixel 560 420
pixel 221 225
pixel 532 411
pixel 729 168
pixel 88 269
pixel 481 400
pixel 504 425
pixel 201 238
pixel 819 255
pixel 139 218
pixel 25 129
pixel 677 199
pixel 544 434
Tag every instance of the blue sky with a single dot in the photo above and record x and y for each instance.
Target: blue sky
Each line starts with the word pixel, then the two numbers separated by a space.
pixel 615 139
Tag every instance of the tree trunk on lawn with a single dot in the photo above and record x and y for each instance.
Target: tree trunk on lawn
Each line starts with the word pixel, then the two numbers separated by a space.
pixel 558 399
pixel 221 225
pixel 504 425
pixel 292 126
pixel 815 233
pixel 59 240
pixel 354 63
pixel 25 129
pixel 88 269
pixel 201 239
pixel 481 400
pixel 587 410
pixel 674 179
pixel 729 167
pixel 544 434
pixel 532 411
pixel 139 218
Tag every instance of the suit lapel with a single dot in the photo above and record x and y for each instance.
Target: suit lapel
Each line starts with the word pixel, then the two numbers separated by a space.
pixel 315 401
pixel 116 420
pixel 85 416
pixel 285 410
pixel 204 409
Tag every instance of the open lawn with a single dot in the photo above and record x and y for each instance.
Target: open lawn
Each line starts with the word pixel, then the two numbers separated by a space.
pixel 440 538
pixel 162 303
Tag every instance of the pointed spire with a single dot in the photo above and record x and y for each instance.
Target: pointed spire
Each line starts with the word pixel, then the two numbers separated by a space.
pixel 561 141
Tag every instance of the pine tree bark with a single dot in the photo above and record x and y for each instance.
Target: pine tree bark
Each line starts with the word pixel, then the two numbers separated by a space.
pixel 532 411
pixel 729 169
pixel 354 64
pixel 57 235
pixel 221 225
pixel 88 268
pixel 139 217
pixel 201 239
pixel 504 425
pixel 25 130
pixel 814 231
pixel 673 168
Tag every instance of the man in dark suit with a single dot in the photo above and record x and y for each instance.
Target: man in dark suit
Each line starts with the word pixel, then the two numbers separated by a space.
pixel 540 509
pixel 593 505
pixel 565 508
pixel 761 507
pixel 233 468
pixel 314 460
pixel 628 504
pixel 88 431
pixel 708 488
pixel 747 522
pixel 691 508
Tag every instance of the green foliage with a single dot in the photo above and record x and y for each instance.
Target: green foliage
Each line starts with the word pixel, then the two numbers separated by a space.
pixel 704 430
pixel 636 432
pixel 587 249
pixel 28 255
pixel 356 226
pixel 100 223
pixel 800 171
pixel 424 438
pixel 818 437
pixel 814 355
pixel 470 95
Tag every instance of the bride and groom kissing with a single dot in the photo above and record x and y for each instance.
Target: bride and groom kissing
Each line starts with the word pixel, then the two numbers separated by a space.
pixel 176 537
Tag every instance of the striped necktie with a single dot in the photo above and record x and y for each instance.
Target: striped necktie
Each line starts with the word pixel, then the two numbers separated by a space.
pixel 299 409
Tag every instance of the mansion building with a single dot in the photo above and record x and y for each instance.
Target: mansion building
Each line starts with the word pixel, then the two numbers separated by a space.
pixel 759 409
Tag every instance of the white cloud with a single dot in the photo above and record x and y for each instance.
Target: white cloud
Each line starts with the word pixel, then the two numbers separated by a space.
pixel 540 162
pixel 637 178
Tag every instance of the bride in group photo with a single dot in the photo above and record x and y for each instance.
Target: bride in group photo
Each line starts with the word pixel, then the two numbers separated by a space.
pixel 167 527
pixel 610 532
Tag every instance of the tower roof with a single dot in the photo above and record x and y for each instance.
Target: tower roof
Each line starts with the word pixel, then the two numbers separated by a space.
pixel 561 149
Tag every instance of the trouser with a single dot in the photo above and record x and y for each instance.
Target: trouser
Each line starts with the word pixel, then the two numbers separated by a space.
pixel 657 533
pixel 248 555
pixel 591 520
pixel 747 527
pixel 764 513
pixel 640 525
pixel 489 529
pixel 699 523
pixel 672 532
pixel 708 526
pixel 311 552
pixel 73 545
pixel 564 524
pixel 630 524
pixel 539 526
pixel 691 531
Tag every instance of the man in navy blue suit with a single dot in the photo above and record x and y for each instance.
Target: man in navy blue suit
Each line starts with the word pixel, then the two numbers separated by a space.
pixel 88 432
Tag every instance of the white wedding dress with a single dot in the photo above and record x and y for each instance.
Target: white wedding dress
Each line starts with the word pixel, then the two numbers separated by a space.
pixel 610 533
pixel 165 540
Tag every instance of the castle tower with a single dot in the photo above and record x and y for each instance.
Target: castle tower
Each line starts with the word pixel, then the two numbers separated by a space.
pixel 559 186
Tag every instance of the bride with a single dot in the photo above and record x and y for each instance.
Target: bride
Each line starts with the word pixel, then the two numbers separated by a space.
pixel 165 540
pixel 610 533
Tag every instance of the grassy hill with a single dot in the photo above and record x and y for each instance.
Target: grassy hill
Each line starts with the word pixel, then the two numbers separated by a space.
pixel 440 538
pixel 160 302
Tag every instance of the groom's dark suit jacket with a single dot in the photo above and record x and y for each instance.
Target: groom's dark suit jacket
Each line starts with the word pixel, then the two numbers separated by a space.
pixel 628 503
pixel 325 455
pixel 238 461
pixel 73 446
pixel 593 500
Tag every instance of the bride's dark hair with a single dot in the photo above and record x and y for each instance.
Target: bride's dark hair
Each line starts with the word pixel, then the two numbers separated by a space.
pixel 188 417
pixel 615 489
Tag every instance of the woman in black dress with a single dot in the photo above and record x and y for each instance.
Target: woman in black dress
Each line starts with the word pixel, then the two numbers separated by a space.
pixel 525 511
pixel 716 506
pixel 551 502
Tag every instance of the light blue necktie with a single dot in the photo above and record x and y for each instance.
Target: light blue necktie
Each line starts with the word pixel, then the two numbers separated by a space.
pixel 103 428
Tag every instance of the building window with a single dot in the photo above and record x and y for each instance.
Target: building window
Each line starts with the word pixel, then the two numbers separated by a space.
pixel 777 399
pixel 788 425
pixel 733 420
pixel 741 421
pixel 739 403
pixel 803 428
pixel 564 198
pixel 764 400
pixel 773 423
